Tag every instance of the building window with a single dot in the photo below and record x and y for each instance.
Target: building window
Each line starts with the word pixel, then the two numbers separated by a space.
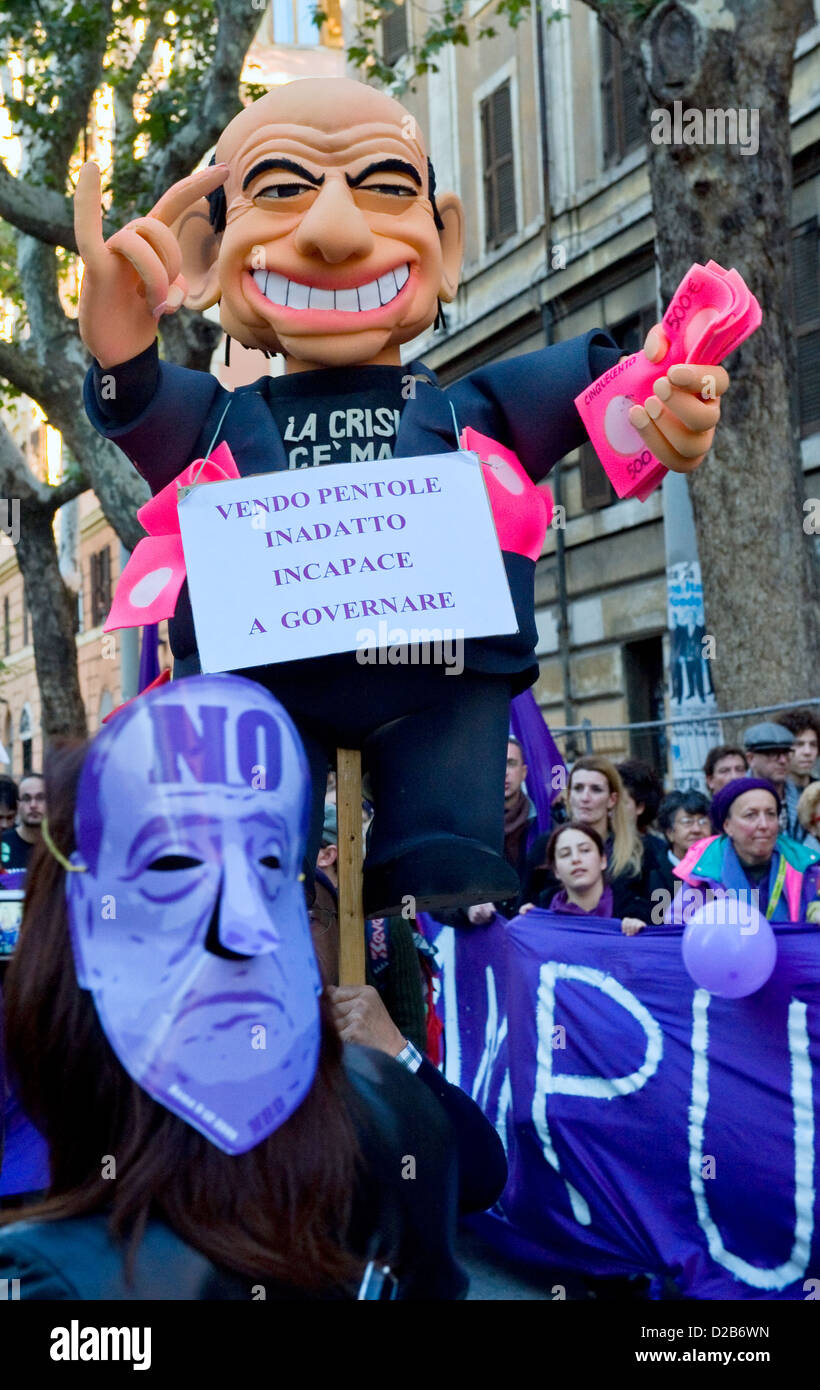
pixel 596 489
pixel 6 627
pixel 24 733
pixel 620 109
pixel 100 586
pixel 806 309
pixel 293 22
pixel 499 169
pixel 395 40
pixel 645 699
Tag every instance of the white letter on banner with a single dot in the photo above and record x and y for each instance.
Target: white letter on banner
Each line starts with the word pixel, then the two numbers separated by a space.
pixel 801 1089
pixel 547 1083
pixel 504 1107
pixel 494 1036
pixel 446 947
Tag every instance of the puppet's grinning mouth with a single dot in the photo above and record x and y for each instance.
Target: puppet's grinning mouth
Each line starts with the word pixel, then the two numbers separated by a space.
pixel 291 294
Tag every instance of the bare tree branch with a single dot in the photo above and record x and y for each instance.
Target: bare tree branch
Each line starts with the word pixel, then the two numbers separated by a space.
pixel 217 101
pixel 16 478
pixel 55 496
pixel 47 597
pixel 19 366
pixel 38 211
pixel 56 385
pixel 81 72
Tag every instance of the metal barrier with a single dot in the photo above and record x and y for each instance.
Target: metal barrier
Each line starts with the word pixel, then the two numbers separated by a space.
pixel 650 739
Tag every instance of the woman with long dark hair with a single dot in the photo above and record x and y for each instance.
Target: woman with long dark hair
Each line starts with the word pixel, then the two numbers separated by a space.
pixel 150 1101
pixel 577 856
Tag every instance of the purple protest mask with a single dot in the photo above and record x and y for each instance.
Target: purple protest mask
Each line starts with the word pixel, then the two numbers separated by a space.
pixel 189 923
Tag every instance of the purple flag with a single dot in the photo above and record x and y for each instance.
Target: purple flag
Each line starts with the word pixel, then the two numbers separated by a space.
pixel 542 757
pixel 149 655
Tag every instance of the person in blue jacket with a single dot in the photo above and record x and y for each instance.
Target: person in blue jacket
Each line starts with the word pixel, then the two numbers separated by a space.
pixel 319 231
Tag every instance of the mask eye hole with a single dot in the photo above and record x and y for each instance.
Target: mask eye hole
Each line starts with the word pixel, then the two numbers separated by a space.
pixel 270 861
pixel 167 863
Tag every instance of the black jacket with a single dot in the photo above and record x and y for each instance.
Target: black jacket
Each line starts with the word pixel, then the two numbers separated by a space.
pixel 410 1223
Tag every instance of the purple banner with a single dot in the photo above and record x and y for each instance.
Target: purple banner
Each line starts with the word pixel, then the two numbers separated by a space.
pixel 650 1127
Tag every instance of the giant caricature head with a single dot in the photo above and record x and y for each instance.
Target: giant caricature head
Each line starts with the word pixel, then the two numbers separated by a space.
pixel 332 250
pixel 187 914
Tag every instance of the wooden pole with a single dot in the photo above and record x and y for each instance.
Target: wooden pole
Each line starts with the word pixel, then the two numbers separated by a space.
pixel 351 910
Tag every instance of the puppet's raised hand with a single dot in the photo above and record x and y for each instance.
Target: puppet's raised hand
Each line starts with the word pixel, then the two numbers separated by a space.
pixel 677 423
pixel 132 279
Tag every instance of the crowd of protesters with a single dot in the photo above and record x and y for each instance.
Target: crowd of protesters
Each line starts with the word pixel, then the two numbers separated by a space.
pixel 618 847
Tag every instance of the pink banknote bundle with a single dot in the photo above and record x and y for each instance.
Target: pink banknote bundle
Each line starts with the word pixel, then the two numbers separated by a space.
pixel 712 312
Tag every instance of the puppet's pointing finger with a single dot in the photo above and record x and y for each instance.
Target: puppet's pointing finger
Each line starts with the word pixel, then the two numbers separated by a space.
pixel 88 213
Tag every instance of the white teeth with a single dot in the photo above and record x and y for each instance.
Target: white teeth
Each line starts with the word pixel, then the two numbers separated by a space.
pixel 279 290
pixel 387 287
pixel 369 295
pixel 298 295
pixel 347 300
pixel 321 299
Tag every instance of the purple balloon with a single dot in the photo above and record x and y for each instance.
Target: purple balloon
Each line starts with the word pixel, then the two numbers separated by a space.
pixel 729 948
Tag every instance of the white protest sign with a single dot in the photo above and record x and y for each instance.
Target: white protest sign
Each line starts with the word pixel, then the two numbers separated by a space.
pixel 284 566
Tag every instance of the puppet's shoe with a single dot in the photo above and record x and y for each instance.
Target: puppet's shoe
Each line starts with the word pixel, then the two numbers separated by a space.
pixel 437 872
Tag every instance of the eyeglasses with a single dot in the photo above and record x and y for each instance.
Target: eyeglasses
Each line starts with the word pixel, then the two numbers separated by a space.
pixel 688 822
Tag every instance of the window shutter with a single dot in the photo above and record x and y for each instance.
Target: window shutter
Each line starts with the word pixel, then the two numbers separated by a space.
pixel 596 489
pixel 105 580
pixel 804 274
pixel 505 171
pixel 630 93
pixel 499 166
pixel 100 585
pixel 806 308
pixel 94 589
pixel 394 35
pixel 620 99
pixel 608 97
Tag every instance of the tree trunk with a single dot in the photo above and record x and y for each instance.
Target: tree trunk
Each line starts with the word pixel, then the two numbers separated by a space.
pixel 759 567
pixel 51 606
pixel 760 570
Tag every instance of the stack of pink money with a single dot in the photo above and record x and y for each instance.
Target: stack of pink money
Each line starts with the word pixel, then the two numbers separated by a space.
pixel 712 312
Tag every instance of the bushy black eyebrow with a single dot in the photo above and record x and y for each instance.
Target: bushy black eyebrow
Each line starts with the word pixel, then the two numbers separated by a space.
pixel 266 165
pixel 385 166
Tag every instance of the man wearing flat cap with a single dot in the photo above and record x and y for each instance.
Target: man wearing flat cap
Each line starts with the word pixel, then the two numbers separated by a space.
pixel 768 748
pixel 749 856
